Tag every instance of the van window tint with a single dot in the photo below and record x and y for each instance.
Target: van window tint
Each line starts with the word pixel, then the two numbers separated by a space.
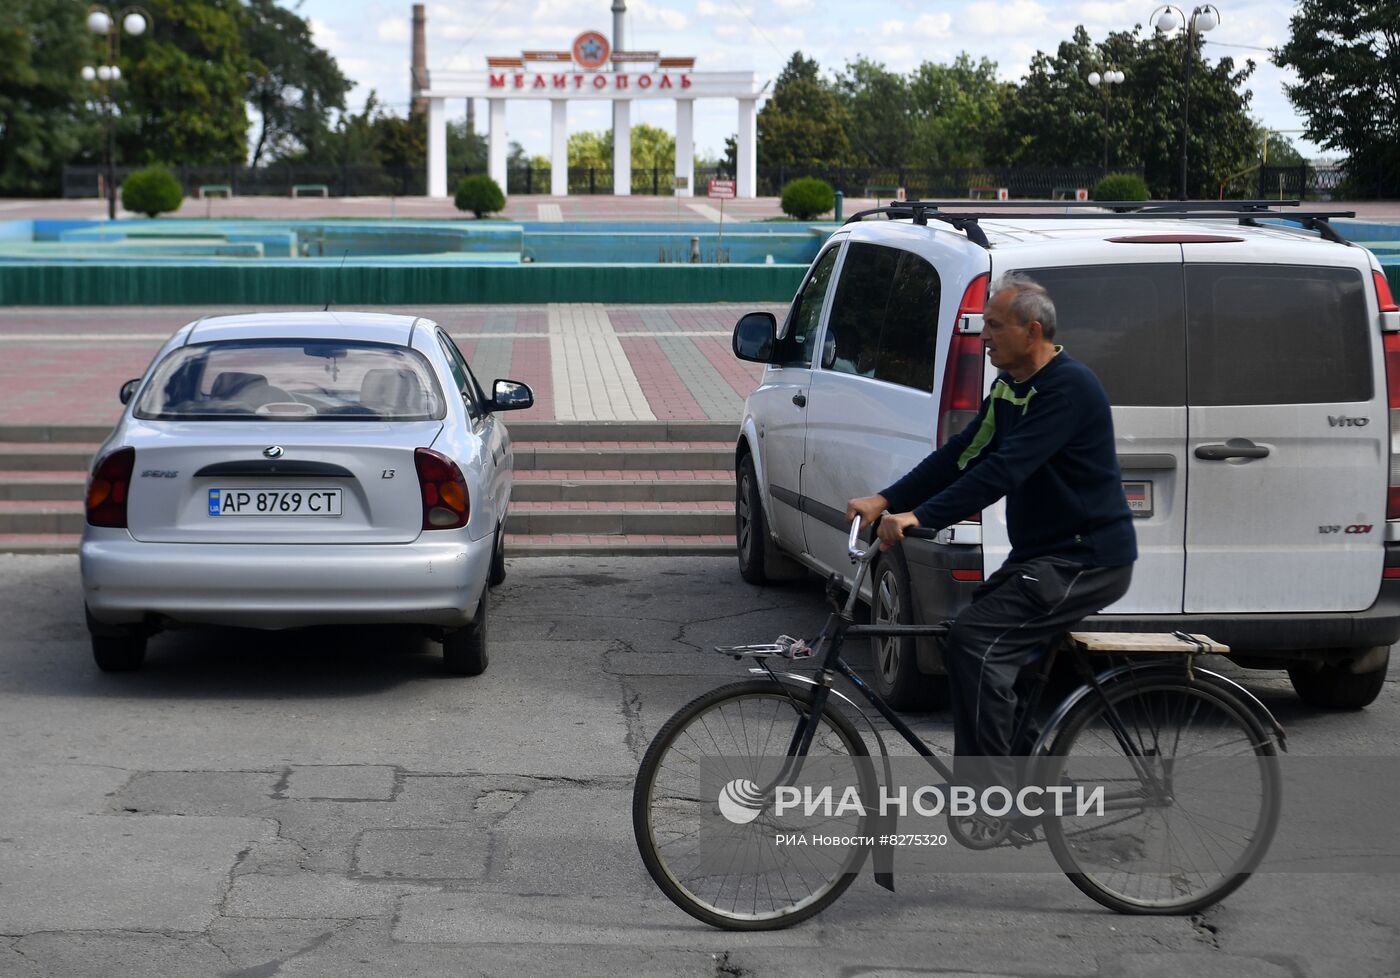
pixel 804 318
pixel 1277 334
pixel 1125 323
pixel 884 319
pixel 858 311
pixel 911 325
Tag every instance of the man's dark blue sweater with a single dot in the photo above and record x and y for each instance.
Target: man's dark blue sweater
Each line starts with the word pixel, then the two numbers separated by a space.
pixel 1046 444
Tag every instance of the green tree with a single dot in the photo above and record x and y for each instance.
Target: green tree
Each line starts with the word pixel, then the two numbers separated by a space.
pixel 653 148
pixel 466 149
pixel 591 149
pixel 1055 118
pixel 183 98
pixel 43 118
pixel 1347 56
pixel 879 117
pixel 955 107
pixel 803 124
pixel 292 83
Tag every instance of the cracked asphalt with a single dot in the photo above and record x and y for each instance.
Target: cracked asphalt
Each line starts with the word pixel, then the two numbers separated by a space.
pixel 331 802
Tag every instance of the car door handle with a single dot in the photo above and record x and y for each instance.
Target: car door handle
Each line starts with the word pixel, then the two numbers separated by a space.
pixel 800 400
pixel 1234 448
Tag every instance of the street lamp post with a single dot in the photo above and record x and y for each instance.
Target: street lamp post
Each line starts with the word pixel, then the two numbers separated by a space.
pixel 1105 82
pixel 133 21
pixel 1167 19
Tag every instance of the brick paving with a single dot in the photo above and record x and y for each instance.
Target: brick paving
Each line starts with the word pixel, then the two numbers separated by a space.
pixel 584 361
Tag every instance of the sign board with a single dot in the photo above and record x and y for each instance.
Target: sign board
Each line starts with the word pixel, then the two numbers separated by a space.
pixel 680 183
pixel 591 50
pixel 723 189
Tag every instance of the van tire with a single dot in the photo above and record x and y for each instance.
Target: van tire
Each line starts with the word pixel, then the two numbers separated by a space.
pixel 1337 685
pixel 895 661
pixel 760 562
pixel 464 651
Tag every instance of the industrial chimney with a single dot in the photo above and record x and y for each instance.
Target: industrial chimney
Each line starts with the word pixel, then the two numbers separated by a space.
pixel 419 78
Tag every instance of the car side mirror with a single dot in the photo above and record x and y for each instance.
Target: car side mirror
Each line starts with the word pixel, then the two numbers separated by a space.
pixel 128 390
pixel 755 337
pixel 511 395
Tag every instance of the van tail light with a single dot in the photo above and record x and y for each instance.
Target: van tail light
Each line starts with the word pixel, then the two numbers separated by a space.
pixel 1383 297
pixel 446 505
pixel 108 490
pixel 1391 343
pixel 962 377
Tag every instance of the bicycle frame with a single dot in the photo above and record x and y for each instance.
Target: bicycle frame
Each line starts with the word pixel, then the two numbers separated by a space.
pixel 842 624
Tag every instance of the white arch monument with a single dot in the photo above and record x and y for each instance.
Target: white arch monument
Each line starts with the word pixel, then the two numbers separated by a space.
pixel 583 73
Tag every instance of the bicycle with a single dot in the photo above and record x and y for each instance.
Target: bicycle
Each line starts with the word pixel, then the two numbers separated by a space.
pixel 1153 735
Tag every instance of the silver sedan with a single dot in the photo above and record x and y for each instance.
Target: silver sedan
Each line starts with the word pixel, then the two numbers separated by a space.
pixel 289 469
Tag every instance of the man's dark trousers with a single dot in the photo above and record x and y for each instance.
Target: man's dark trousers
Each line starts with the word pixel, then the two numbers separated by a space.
pixel 1012 619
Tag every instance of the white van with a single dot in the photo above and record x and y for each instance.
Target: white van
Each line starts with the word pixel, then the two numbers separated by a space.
pixel 1254 373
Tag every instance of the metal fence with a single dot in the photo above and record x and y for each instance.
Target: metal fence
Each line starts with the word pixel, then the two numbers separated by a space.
pixel 1335 182
pixel 355 181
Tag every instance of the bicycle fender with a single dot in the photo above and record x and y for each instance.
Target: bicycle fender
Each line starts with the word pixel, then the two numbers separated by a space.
pixel 1137 671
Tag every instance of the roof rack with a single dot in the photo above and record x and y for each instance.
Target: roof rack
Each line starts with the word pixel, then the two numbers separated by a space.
pixel 1247 212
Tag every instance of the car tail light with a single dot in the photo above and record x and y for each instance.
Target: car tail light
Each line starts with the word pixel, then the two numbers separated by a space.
pixel 962 377
pixel 1383 296
pixel 110 485
pixel 446 505
pixel 1391 342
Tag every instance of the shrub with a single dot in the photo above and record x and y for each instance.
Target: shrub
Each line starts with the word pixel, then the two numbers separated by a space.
pixel 1121 186
pixel 808 197
pixel 152 191
pixel 479 194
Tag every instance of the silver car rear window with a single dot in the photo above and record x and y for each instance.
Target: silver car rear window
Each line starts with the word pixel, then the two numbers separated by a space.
pixel 292 380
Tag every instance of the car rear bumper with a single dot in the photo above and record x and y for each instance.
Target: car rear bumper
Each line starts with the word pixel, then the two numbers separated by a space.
pixel 428 582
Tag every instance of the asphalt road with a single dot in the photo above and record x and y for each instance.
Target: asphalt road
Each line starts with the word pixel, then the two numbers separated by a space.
pixel 331 803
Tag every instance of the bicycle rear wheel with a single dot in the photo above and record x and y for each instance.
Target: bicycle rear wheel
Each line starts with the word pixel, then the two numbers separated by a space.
pixel 705 830
pixel 1189 834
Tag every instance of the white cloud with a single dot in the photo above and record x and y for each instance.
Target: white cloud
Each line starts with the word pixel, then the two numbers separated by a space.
pixel 1018 17
pixel 394 30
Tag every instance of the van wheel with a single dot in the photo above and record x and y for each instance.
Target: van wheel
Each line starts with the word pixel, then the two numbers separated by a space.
pixel 760 561
pixel 895 659
pixel 464 651
pixel 498 557
pixel 1338 685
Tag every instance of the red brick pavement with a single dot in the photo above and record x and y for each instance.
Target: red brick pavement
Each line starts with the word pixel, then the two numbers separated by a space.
pixel 662 386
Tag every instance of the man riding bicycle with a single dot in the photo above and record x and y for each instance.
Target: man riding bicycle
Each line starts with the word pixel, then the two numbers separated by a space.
pixel 1043 439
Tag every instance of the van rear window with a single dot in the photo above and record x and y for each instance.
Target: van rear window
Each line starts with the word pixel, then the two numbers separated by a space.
pixel 1277 334
pixel 1125 322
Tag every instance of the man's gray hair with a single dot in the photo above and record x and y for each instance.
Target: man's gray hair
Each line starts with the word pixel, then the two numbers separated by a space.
pixel 1031 301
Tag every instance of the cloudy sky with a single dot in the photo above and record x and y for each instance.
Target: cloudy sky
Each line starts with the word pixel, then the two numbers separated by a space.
pixel 371 39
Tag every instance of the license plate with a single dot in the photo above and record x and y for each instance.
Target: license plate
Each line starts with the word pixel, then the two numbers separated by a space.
pixel 274 502
pixel 1139 498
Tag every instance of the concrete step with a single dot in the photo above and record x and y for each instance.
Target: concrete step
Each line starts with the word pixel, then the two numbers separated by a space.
pixel 567 485
pixel 46 456
pixel 40 484
pixel 674 432
pixel 38 543
pixel 622 518
pixel 647 456
pixel 41 516
pixel 29 433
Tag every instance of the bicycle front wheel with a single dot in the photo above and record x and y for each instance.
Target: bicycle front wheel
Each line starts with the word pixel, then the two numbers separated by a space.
pixel 707 828
pixel 1185 823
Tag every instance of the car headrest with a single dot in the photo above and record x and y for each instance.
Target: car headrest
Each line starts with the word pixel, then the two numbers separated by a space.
pixel 387 390
pixel 232 383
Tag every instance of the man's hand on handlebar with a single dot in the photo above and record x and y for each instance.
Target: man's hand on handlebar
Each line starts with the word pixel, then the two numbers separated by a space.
pixel 868 508
pixel 892 527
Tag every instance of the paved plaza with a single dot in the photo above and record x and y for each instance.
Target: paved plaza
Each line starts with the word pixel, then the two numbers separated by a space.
pixel 584 361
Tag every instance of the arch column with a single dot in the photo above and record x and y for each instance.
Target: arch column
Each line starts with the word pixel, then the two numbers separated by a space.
pixel 622 148
pixel 437 147
pixel 685 146
pixel 746 179
pixel 496 141
pixel 559 147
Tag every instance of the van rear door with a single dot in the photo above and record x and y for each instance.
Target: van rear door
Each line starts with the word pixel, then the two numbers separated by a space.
pixel 1120 312
pixel 1288 432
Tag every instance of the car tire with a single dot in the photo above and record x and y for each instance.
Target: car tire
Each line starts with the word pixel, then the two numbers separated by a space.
pixel 1339 685
pixel 464 651
pixel 895 660
pixel 498 557
pixel 759 560
pixel 116 648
